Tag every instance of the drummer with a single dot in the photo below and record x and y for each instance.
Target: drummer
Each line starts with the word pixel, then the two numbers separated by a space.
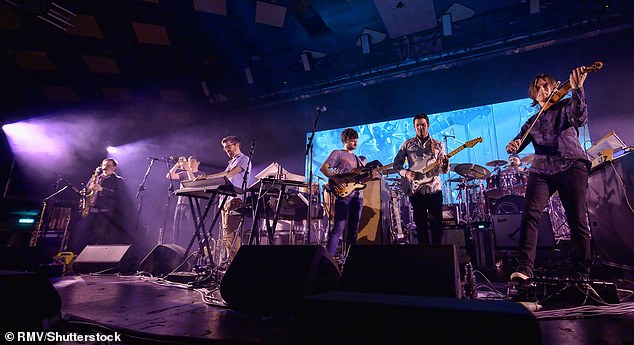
pixel 516 176
pixel 515 162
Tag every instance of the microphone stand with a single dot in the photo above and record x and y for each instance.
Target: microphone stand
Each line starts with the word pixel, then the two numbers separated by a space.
pixel 170 193
pixel 7 184
pixel 449 199
pixel 309 153
pixel 245 179
pixel 139 195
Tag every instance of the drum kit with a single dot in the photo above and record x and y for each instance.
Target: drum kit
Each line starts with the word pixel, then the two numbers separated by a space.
pixel 480 193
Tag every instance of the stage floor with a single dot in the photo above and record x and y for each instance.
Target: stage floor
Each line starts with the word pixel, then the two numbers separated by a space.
pixel 145 309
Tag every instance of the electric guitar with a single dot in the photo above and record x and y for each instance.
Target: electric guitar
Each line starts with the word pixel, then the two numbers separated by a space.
pixel 427 172
pixel 354 180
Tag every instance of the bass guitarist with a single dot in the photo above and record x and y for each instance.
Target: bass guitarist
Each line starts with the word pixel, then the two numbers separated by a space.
pixel 347 210
pixel 424 190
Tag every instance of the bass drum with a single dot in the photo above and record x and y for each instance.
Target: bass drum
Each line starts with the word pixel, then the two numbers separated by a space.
pixel 508 204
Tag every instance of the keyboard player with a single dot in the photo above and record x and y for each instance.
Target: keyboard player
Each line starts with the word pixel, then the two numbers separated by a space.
pixel 230 222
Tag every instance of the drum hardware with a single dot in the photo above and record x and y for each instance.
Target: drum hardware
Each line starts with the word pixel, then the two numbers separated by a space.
pixel 467 186
pixel 473 194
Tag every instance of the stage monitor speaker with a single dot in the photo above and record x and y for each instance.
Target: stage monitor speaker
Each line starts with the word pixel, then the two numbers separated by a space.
pixel 269 280
pixel 163 259
pixel 338 317
pixel 430 270
pixel 609 213
pixel 29 300
pixel 507 230
pixel 95 259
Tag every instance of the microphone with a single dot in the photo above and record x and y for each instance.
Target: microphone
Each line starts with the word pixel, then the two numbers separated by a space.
pixel 447 135
pixel 153 158
pixel 173 158
pixel 321 109
pixel 75 189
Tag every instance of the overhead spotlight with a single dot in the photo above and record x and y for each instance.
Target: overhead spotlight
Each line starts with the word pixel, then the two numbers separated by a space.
pixel 203 84
pixel 446 24
pixel 47 11
pixel 247 73
pixel 534 6
pixel 305 58
pixel 368 38
pixel 366 41
pixel 112 149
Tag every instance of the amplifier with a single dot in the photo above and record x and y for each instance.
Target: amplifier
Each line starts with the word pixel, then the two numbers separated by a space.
pixel 450 215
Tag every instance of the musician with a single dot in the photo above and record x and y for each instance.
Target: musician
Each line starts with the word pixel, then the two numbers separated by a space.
pixel 515 162
pixel 184 169
pixel 426 202
pixel 560 164
pixel 237 166
pixel 347 211
pixel 103 220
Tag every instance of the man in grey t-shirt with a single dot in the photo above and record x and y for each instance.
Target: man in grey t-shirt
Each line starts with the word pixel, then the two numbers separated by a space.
pixel 347 210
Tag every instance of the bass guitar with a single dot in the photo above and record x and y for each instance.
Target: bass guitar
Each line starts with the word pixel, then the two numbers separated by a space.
pixel 426 173
pixel 354 180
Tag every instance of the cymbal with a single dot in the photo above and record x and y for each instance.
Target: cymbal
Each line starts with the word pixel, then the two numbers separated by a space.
pixel 527 159
pixel 472 170
pixel 496 163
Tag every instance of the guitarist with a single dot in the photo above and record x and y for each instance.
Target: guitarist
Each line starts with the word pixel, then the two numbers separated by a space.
pixel 426 199
pixel 347 211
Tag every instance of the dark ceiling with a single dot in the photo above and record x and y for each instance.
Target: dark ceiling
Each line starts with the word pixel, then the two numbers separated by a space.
pixel 232 54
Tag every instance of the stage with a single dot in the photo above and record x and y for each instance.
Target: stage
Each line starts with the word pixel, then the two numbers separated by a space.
pixel 145 309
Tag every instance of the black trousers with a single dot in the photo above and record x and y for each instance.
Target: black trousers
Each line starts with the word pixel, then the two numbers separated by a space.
pixel 572 185
pixel 103 228
pixel 428 217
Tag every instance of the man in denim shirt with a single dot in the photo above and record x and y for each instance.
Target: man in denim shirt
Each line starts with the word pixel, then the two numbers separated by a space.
pixel 560 164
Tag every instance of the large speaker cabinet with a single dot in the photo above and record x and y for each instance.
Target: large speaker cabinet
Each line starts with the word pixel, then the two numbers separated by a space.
pixel 610 188
pixel 374 226
pixel 269 280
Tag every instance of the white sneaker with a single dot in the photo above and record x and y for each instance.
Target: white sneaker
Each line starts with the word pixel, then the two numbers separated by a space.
pixel 519 276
